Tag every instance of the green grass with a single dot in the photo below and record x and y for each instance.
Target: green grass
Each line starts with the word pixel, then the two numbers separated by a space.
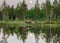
pixel 22 23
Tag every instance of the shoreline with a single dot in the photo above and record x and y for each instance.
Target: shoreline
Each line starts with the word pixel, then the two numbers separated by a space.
pixel 33 23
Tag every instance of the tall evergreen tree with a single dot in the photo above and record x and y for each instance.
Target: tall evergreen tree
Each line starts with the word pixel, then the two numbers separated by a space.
pixel 48 9
pixel 55 6
pixel 5 11
pixel 24 10
pixel 37 10
pixel 17 11
pixel 11 13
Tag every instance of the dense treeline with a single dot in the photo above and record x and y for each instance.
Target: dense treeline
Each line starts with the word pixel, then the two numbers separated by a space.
pixel 47 11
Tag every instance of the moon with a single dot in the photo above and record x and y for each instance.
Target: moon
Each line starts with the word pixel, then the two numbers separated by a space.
pixel 30 1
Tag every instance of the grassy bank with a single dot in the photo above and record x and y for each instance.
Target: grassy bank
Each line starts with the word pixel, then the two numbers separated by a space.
pixel 43 22
pixel 23 23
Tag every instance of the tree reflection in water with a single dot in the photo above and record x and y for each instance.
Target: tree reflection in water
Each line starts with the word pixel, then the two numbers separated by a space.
pixel 49 33
pixel 22 33
pixel 36 31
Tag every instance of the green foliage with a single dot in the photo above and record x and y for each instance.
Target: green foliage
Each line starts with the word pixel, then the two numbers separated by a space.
pixel 21 12
pixel 0 15
pixel 24 10
pixel 48 9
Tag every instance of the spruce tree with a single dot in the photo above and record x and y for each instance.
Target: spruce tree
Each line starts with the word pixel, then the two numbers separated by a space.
pixel 5 11
pixel 55 6
pixel 24 10
pixel 48 9
pixel 37 10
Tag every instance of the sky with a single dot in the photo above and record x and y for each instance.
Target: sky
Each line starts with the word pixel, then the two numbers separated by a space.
pixel 30 3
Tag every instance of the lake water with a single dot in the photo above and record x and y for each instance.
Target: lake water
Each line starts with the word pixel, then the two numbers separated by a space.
pixel 30 34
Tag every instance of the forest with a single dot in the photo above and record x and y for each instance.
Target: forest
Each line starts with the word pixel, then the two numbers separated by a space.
pixel 45 21
pixel 46 12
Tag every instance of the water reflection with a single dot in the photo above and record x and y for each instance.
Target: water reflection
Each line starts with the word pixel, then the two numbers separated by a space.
pixel 50 33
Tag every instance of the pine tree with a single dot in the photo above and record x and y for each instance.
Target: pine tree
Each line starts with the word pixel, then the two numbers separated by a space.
pixel 48 9
pixel 17 12
pixel 37 10
pixel 4 11
pixel 24 10
pixel 55 6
